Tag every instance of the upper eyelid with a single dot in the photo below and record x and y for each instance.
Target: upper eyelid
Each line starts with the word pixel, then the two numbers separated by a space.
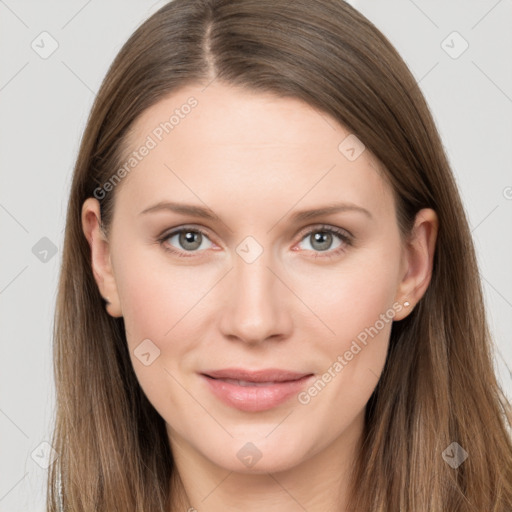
pixel 325 227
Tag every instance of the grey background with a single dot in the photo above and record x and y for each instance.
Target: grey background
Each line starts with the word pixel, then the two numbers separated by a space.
pixel 44 104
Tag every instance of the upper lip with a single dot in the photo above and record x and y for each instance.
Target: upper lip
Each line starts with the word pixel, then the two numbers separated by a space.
pixel 266 375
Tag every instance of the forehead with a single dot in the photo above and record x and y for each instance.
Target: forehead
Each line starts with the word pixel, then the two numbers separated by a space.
pixel 249 147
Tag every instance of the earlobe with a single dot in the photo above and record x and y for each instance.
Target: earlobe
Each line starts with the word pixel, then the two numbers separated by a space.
pixel 418 258
pixel 100 255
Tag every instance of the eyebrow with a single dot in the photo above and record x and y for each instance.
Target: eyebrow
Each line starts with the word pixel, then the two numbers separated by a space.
pixel 206 213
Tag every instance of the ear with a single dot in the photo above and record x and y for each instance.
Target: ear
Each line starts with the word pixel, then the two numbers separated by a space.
pixel 417 261
pixel 100 255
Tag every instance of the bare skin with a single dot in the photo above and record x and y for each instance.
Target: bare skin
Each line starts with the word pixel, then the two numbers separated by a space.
pixel 255 160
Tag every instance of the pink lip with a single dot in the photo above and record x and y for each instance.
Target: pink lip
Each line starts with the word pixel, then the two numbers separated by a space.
pixel 270 387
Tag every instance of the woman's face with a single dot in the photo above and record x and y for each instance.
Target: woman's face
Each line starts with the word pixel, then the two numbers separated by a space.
pixel 256 286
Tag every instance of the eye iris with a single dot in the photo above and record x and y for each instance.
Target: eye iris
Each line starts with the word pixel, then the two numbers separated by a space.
pixel 324 238
pixel 190 237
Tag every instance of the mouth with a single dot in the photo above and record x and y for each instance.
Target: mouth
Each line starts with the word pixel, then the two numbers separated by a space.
pixel 254 391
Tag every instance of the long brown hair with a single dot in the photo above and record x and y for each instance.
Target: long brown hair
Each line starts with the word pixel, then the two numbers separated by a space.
pixel 438 385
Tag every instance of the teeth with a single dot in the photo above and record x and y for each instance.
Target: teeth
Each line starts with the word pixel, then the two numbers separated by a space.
pixel 246 383
pixel 257 384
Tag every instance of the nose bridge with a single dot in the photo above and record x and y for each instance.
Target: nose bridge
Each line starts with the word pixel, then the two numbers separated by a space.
pixel 255 305
pixel 254 283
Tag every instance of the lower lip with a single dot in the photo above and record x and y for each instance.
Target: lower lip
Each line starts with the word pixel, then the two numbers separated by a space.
pixel 255 398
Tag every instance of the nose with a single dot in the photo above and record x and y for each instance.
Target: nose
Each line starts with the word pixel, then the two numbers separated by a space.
pixel 256 306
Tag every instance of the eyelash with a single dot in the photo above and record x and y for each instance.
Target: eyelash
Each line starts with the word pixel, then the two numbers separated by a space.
pixel 343 235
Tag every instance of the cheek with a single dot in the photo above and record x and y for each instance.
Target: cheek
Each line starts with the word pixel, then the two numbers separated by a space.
pixel 156 294
pixel 350 296
pixel 161 302
pixel 355 306
pixel 155 301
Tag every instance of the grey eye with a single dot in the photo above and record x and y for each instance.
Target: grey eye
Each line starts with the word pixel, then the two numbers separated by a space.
pixel 321 240
pixel 188 239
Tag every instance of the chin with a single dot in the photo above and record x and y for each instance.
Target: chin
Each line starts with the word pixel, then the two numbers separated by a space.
pixel 258 456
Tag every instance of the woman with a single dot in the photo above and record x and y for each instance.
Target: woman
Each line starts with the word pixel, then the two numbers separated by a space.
pixel 269 295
